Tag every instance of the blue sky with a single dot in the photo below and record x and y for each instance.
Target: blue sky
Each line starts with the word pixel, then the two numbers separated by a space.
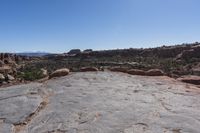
pixel 60 25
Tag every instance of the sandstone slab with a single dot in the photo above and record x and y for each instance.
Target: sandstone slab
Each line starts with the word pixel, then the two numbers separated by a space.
pixel 107 102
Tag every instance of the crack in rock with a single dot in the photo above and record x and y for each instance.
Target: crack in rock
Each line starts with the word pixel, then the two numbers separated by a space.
pixel 20 126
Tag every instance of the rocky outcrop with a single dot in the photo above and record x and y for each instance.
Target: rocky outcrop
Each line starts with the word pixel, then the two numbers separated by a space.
pixel 89 69
pixel 103 102
pixel 154 72
pixel 7 78
pixel 6 70
pixel 1 63
pixel 119 69
pixel 59 73
pixel 74 52
pixel 194 52
pixel 190 79
pixel 136 72
pixel 87 51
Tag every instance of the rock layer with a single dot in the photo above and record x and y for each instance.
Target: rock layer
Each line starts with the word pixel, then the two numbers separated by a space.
pixel 101 102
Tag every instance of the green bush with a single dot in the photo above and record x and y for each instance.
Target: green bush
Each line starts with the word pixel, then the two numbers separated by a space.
pixel 31 75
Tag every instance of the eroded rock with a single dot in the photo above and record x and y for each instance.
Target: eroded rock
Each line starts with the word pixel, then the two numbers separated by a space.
pixel 136 72
pixel 59 73
pixel 104 102
pixel 89 69
pixel 190 79
pixel 154 72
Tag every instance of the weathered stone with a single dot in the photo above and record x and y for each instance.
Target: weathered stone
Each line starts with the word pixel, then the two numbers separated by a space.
pixel 59 73
pixel 2 78
pixel 74 51
pixel 154 72
pixel 136 72
pixel 103 102
pixel 10 77
pixel 190 79
pixel 44 72
pixel 119 69
pixel 6 69
pixel 89 69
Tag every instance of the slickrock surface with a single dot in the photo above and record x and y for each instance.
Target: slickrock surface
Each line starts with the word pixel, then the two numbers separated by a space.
pixel 101 102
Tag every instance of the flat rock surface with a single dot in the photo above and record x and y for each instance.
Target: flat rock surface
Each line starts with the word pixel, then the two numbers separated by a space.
pixel 101 102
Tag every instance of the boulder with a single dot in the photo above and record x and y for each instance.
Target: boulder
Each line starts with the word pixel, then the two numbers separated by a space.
pixel 44 72
pixel 119 69
pixel 90 69
pixel 154 72
pixel 136 72
pixel 10 78
pixel 59 73
pixel 2 78
pixel 190 79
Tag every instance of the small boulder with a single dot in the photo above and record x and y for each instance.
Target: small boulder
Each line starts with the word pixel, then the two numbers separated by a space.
pixel 59 73
pixel 154 72
pixel 10 77
pixel 44 72
pixel 190 79
pixel 136 72
pixel 90 69
pixel 2 78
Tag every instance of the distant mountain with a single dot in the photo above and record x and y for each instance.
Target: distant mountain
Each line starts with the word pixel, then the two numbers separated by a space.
pixel 33 54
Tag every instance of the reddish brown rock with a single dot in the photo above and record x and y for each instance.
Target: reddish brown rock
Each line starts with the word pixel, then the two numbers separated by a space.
pixel 59 73
pixel 154 72
pixel 118 69
pixel 136 72
pixel 89 69
pixel 190 79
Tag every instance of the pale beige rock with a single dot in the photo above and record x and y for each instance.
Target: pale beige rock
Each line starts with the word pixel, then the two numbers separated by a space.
pixel 89 69
pixel 44 72
pixel 154 72
pixel 59 73
pixel 101 102
pixel 2 77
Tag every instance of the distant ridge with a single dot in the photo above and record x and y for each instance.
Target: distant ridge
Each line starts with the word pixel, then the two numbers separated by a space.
pixel 33 54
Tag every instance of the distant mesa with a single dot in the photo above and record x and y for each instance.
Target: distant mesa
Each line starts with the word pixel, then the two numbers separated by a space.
pixel 87 51
pixel 74 52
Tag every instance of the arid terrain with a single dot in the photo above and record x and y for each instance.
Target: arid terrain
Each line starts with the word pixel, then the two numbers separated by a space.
pixel 118 91
pixel 101 102
pixel 173 61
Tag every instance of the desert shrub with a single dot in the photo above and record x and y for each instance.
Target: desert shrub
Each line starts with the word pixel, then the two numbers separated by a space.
pixel 31 75
pixel 168 64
